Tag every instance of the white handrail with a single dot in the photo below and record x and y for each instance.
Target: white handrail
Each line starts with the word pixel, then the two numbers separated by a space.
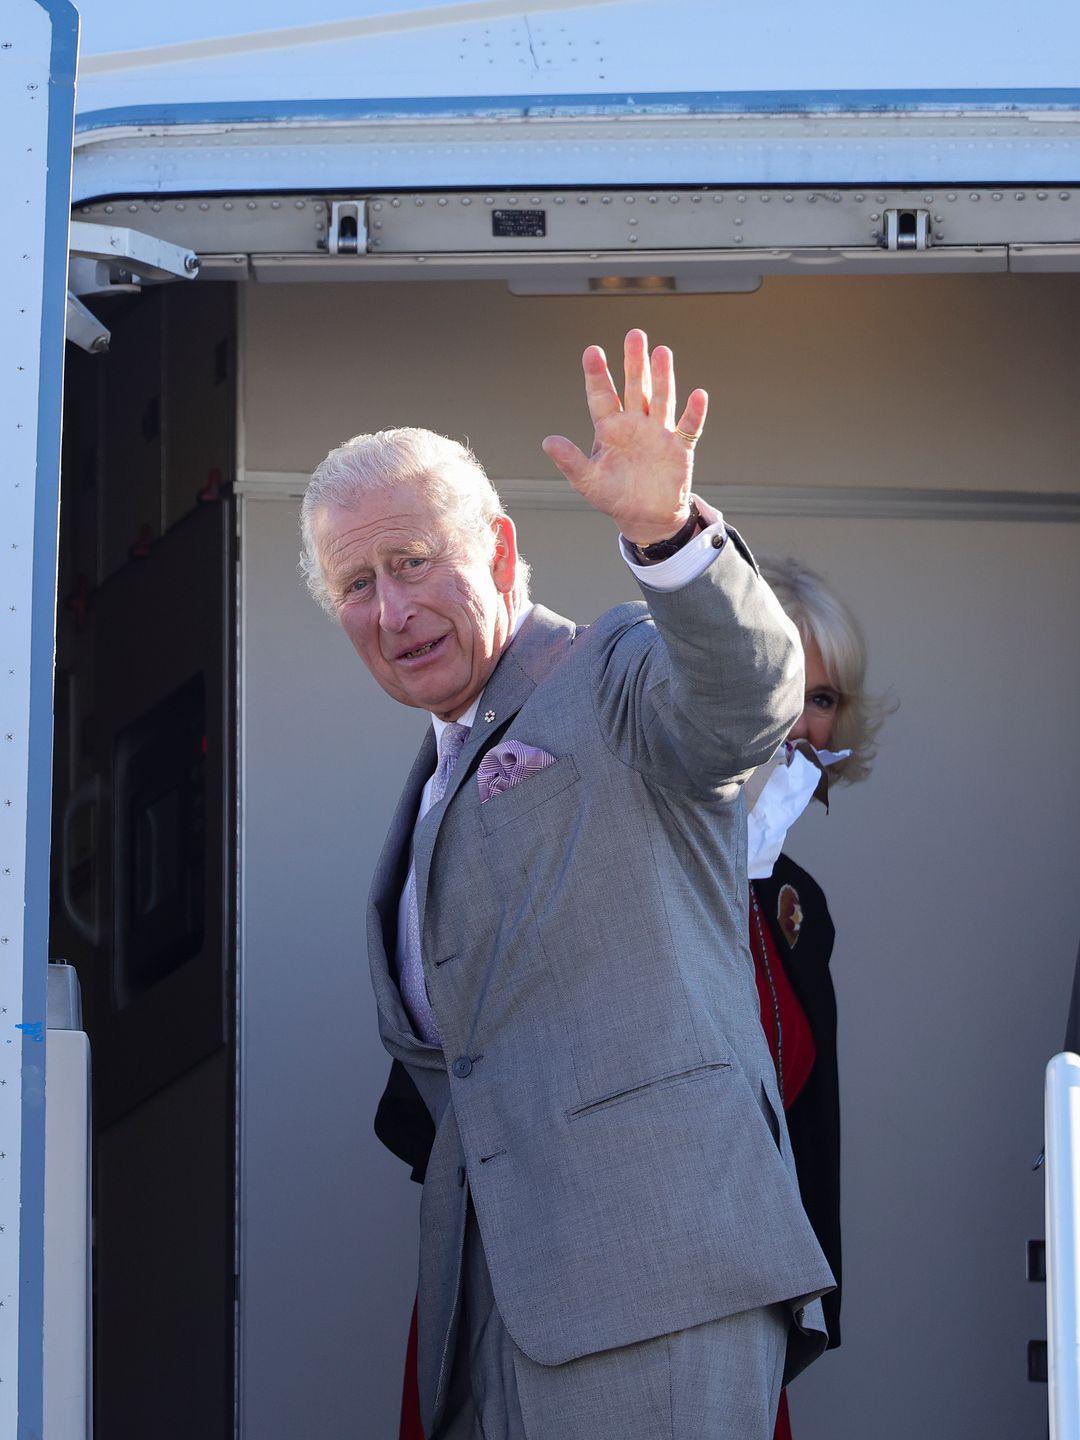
pixel 1063 1244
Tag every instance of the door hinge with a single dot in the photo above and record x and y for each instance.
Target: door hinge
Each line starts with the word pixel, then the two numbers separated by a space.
pixel 347 232
pixel 906 230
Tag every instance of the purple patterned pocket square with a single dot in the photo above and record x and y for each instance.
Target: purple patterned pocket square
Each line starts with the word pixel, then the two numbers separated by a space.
pixel 507 764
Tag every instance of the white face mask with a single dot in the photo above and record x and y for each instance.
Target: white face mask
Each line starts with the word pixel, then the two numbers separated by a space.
pixel 777 794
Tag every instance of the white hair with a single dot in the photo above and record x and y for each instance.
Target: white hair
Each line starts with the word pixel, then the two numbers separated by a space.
pixel 447 473
pixel 821 616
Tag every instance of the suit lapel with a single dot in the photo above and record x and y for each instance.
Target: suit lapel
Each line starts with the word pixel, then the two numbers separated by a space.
pixel 541 643
pixel 386 887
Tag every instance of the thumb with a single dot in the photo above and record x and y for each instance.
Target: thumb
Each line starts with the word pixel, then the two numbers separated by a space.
pixel 567 457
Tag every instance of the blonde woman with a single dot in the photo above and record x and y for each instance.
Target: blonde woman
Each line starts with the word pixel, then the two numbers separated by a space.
pixel 791 931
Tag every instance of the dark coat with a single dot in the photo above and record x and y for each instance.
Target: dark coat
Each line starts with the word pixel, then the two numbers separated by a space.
pixel 814 1118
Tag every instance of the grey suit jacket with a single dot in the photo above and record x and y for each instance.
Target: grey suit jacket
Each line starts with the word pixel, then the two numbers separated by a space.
pixel 612 1096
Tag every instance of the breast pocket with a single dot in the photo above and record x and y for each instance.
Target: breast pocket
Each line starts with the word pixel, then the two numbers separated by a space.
pixel 528 794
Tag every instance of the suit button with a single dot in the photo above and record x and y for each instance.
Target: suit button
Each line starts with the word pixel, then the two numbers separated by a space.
pixel 462 1067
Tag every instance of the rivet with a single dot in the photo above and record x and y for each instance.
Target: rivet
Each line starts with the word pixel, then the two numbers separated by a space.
pixel 875 216
pixel 632 220
pixel 628 199
pixel 228 205
pixel 605 199
pixel 133 209
pixel 859 199
pixel 252 204
pixel 789 198
pixel 674 199
pixel 203 205
pixel 741 199
pixel 939 235
pixel 317 207
pixel 880 199
pixel 695 199
pixel 156 207
pixel 765 198
pixel 996 195
pixel 717 199
pixel 275 204
pixel 513 200
pixel 443 200
pixel 488 200
pixel 420 259
pixel 951 196
pixel 300 204
pixel 633 239
pixel 738 239
pixel 376 225
pixel 1041 195
pixel 1063 194
pixel 108 209
pixel 939 219
pixel 181 206
pixel 738 219
pixel 974 195
pixel 418 201
pixel 534 200
pixel 465 200
pixel 1020 195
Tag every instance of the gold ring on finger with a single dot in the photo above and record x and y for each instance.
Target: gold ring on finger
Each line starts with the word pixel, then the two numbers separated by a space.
pixel 690 439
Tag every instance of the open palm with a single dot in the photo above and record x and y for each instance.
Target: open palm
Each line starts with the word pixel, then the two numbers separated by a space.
pixel 641 464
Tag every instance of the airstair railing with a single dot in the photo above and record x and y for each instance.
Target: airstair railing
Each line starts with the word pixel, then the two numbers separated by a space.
pixel 1063 1244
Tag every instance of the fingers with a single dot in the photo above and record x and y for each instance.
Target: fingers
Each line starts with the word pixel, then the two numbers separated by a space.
pixel 663 386
pixel 600 392
pixel 637 391
pixel 567 457
pixel 692 421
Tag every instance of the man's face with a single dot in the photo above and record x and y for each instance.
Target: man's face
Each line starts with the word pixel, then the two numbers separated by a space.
pixel 426 609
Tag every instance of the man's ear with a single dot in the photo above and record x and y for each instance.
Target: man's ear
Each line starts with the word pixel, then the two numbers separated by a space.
pixel 505 560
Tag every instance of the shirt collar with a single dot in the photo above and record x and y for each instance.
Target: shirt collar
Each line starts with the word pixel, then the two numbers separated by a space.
pixel 469 716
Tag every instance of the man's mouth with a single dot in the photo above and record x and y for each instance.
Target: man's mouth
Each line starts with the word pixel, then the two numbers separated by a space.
pixel 420 650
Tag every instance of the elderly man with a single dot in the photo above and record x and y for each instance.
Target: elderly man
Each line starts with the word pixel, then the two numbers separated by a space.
pixel 612 1243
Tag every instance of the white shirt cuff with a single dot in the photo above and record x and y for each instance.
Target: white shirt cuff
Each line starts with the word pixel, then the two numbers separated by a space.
pixel 686 564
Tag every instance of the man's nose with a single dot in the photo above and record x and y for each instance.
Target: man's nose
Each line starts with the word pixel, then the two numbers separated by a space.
pixel 395 608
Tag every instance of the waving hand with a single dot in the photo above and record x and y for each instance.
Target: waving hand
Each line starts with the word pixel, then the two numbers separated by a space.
pixel 641 464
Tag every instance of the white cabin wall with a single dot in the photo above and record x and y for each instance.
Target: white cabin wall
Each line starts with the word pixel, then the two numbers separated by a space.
pixel 951 873
pixel 957 381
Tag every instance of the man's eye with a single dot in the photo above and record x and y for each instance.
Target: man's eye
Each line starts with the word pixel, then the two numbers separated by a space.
pixel 359 585
pixel 414 562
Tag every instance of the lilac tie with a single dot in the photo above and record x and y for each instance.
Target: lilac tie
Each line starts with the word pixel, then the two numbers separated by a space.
pixel 411 965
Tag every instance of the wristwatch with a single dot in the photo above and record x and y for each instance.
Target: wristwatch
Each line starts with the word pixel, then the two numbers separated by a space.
pixel 664 549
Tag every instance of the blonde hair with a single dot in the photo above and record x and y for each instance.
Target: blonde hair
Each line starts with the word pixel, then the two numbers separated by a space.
pixel 821 616
pixel 447 473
